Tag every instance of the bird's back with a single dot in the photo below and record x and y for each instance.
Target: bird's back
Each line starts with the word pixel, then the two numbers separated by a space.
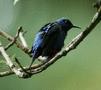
pixel 55 41
pixel 49 40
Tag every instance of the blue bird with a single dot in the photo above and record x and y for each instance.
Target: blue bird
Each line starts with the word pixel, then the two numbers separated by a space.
pixel 50 39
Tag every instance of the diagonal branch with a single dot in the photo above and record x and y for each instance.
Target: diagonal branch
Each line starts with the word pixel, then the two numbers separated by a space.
pixel 9 62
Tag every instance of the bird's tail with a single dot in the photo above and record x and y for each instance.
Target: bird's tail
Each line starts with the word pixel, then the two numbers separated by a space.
pixel 31 63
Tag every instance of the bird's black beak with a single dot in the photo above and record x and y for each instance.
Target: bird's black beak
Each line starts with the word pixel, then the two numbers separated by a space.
pixel 76 27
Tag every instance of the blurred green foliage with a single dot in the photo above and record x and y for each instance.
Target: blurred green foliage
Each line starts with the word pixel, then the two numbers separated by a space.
pixel 79 70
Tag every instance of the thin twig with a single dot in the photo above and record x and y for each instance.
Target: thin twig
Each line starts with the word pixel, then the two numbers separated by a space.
pixel 18 44
pixel 22 39
pixel 97 4
pixel 15 38
pixel 22 69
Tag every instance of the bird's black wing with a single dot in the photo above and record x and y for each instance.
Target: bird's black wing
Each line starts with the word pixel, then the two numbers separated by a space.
pixel 43 37
pixel 49 30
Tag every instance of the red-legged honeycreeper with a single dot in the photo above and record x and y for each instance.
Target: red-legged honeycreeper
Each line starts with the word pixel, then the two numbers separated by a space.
pixel 50 39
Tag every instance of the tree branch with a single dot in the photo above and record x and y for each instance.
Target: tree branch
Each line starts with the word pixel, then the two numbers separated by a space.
pixel 9 62
pixel 12 39
pixel 7 73
pixel 22 39
pixel 15 39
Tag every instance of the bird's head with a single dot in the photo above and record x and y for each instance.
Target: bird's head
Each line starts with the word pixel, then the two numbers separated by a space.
pixel 66 24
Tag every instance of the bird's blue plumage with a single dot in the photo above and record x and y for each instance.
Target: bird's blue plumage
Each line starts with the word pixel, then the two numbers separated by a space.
pixel 37 45
pixel 50 38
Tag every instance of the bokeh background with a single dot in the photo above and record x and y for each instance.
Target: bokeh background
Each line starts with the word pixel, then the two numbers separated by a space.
pixel 79 70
